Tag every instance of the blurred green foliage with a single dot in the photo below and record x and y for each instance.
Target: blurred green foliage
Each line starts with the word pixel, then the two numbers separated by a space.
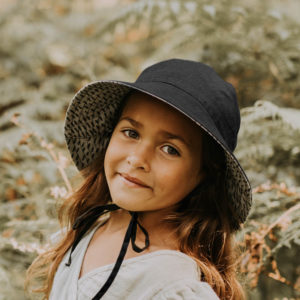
pixel 49 49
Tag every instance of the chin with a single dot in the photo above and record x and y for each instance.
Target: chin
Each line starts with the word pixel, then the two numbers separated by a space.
pixel 126 205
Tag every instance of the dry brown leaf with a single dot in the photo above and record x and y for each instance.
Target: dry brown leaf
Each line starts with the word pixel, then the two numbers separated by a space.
pixel 7 233
pixel 21 181
pixel 24 139
pixel 10 193
pixel 15 118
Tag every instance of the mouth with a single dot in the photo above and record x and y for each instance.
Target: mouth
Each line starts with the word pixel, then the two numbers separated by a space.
pixel 132 181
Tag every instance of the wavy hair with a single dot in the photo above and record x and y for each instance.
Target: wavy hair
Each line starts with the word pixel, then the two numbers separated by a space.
pixel 202 222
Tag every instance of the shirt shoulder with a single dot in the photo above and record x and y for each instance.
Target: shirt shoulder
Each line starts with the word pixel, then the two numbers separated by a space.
pixel 184 289
pixel 169 265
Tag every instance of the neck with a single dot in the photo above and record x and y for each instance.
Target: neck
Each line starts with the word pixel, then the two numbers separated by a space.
pixel 160 233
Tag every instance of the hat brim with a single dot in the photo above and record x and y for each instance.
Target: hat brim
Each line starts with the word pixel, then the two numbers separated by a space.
pixel 91 117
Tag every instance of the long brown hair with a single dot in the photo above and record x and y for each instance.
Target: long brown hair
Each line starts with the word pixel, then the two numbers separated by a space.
pixel 203 223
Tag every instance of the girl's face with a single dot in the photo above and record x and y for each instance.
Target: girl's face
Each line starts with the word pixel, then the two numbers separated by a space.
pixel 154 156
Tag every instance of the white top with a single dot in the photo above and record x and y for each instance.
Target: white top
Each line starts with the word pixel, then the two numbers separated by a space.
pixel 159 275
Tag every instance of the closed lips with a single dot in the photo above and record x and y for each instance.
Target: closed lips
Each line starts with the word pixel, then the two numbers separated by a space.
pixel 134 180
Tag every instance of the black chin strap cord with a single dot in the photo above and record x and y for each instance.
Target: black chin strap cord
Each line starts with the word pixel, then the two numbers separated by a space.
pixel 85 221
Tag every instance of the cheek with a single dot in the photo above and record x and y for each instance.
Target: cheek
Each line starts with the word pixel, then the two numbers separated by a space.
pixel 106 164
pixel 110 156
pixel 181 178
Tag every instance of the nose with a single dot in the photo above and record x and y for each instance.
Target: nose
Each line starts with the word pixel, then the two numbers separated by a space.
pixel 139 158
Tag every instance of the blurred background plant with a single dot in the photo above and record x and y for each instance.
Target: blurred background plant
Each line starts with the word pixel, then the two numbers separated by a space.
pixel 50 49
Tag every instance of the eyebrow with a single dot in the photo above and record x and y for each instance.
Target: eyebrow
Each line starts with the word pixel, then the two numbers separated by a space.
pixel 167 134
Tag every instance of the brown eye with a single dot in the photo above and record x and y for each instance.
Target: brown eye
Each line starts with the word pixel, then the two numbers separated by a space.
pixel 131 133
pixel 171 150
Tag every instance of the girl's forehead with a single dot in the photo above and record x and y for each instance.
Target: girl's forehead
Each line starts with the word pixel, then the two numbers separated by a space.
pixel 145 108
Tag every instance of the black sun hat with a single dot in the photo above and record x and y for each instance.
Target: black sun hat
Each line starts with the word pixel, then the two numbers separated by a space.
pixel 192 88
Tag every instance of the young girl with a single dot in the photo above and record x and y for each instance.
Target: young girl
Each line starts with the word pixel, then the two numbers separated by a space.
pixel 162 193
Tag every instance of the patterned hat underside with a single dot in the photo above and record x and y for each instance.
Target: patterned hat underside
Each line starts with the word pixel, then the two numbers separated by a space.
pixel 89 124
